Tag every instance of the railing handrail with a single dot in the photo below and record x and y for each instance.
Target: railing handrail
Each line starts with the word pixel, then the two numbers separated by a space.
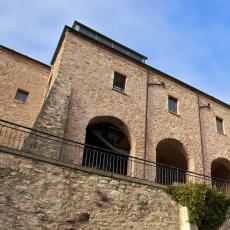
pixel 75 142
pixel 79 144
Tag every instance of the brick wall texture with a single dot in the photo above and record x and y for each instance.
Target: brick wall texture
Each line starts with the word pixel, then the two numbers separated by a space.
pixel 19 72
pixel 90 70
pixel 80 90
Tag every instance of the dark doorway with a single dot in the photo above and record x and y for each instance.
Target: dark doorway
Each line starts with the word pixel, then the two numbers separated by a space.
pixel 107 148
pixel 171 162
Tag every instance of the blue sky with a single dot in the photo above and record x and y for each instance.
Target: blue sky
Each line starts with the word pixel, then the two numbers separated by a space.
pixel 188 39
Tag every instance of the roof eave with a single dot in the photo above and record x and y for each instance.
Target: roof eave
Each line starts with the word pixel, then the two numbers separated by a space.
pixel 24 56
pixel 137 62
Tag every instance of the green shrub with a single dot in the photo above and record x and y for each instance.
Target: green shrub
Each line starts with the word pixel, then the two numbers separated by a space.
pixel 207 207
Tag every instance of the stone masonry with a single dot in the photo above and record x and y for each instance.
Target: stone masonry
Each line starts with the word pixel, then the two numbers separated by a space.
pixel 38 195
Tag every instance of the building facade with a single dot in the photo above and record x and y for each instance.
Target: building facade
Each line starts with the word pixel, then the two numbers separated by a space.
pixel 101 93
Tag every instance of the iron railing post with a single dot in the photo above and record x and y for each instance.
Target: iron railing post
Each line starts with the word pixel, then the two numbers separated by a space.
pixel 24 139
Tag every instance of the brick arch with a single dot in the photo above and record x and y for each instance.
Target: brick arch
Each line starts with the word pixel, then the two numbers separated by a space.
pixel 220 168
pixel 116 122
pixel 107 145
pixel 172 161
pixel 172 152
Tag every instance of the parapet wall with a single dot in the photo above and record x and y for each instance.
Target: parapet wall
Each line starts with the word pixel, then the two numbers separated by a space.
pixel 40 195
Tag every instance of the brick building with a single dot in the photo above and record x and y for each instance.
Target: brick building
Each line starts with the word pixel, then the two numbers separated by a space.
pixel 101 93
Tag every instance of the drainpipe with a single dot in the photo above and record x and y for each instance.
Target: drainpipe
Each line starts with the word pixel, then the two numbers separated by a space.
pixel 146 120
pixel 201 132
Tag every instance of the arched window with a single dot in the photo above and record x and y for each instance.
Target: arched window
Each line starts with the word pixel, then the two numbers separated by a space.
pixel 171 162
pixel 107 145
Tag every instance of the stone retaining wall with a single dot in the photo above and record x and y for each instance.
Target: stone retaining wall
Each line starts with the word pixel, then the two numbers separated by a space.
pixel 39 195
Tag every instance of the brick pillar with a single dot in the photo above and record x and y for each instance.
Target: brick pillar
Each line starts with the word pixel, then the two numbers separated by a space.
pixel 51 119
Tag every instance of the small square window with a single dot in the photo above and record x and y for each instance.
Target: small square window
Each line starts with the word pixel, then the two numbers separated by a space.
pixel 119 82
pixel 21 96
pixel 219 125
pixel 172 104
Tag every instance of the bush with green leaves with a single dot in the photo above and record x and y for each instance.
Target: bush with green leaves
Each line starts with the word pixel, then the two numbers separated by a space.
pixel 207 207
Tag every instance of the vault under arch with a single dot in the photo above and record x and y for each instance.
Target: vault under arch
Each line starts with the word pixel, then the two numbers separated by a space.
pixel 107 145
pixel 171 161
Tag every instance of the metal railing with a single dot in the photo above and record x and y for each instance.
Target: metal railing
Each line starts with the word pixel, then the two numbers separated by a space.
pixel 24 139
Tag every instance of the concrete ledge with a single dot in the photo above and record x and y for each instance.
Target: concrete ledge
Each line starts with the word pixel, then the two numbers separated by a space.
pixel 78 167
pixel 184 219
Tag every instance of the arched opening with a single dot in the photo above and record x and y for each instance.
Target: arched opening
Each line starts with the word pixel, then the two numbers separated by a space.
pixel 171 162
pixel 220 172
pixel 107 145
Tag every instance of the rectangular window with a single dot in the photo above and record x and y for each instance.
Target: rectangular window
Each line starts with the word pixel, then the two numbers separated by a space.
pixel 219 125
pixel 172 104
pixel 21 96
pixel 119 82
